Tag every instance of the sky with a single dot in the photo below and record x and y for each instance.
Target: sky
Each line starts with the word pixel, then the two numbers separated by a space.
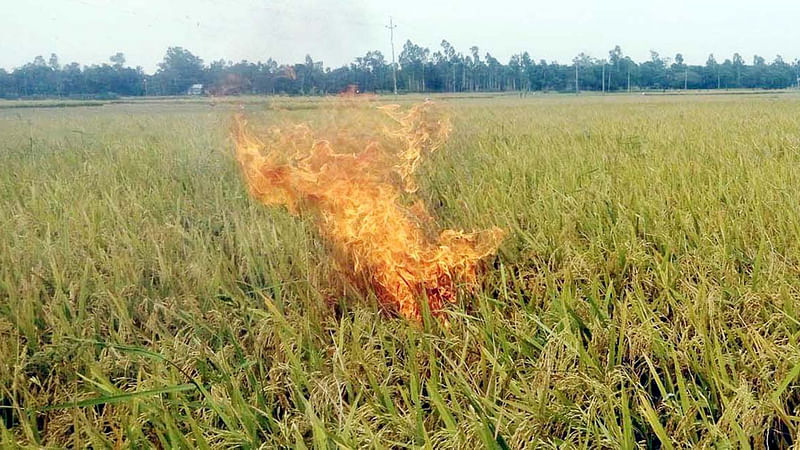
pixel 335 32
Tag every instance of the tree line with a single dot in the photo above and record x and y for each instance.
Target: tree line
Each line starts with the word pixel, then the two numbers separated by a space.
pixel 418 70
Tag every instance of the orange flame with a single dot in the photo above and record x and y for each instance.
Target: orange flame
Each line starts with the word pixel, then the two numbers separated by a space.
pixel 356 195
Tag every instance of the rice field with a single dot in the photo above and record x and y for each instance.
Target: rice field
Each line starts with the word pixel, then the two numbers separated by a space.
pixel 646 295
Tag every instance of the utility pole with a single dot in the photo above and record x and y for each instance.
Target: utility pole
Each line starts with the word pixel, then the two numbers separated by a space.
pixel 577 90
pixel 391 28
pixel 797 64
pixel 686 79
pixel 604 79
pixel 629 78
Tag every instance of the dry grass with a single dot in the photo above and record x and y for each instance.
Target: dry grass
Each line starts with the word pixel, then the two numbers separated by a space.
pixel 646 295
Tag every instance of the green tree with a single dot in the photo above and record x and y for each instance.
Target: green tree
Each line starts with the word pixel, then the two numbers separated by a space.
pixel 711 74
pixel 413 59
pixel 614 61
pixel 118 59
pixel 738 65
pixel 179 70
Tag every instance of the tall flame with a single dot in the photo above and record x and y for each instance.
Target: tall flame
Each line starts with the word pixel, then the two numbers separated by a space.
pixel 357 188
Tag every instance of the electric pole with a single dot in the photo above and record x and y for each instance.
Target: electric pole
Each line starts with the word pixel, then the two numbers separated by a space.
pixel 604 78
pixel 391 28
pixel 577 90
pixel 629 78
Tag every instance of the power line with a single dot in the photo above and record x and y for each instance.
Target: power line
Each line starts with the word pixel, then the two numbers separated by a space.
pixel 391 28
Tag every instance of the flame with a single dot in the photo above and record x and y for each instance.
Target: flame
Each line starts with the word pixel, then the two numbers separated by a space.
pixel 357 188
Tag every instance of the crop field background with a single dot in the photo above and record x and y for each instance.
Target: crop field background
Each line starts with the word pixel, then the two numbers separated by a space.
pixel 647 293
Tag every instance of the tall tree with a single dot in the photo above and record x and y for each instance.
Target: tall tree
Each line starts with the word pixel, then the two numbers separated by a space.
pixel 614 61
pixel 179 70
pixel 711 74
pixel 738 64
pixel 118 60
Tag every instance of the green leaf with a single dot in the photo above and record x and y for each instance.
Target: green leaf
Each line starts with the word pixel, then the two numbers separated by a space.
pixel 793 374
pixel 121 397
pixel 652 418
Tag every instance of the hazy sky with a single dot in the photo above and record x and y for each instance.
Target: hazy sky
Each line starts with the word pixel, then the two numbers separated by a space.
pixel 89 31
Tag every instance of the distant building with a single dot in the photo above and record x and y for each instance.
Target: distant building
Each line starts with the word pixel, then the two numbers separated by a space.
pixel 195 89
pixel 350 91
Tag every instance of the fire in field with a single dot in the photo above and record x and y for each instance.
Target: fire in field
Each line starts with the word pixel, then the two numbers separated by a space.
pixel 360 189
pixel 647 294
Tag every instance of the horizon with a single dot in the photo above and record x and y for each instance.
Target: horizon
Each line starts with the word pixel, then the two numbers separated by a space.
pixel 748 59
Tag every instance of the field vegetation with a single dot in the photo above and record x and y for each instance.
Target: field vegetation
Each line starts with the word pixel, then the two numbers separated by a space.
pixel 646 295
